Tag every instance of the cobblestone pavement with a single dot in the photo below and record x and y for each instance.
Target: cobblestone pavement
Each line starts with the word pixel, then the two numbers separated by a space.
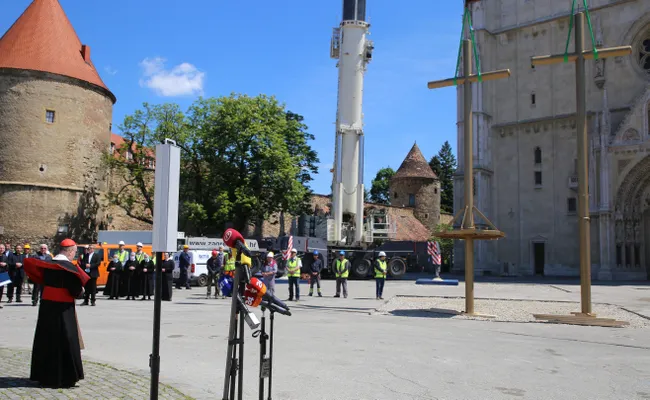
pixel 101 382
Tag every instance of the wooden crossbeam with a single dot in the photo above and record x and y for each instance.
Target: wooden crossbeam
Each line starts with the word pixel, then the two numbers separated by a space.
pixel 488 76
pixel 587 55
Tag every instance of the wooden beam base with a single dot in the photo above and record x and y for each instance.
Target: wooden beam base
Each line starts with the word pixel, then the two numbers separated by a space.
pixel 478 315
pixel 581 319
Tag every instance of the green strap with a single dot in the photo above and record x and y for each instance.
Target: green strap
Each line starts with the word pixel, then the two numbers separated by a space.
pixel 568 39
pixel 476 58
pixel 591 31
pixel 467 19
pixel 460 46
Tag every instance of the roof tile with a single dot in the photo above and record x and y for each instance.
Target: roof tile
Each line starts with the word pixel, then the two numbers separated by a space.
pixel 415 166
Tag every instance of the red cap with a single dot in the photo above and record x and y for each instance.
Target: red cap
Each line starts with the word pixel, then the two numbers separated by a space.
pixel 215 252
pixel 68 243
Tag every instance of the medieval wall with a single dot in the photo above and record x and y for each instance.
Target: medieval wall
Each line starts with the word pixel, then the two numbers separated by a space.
pixel 46 165
pixel 427 198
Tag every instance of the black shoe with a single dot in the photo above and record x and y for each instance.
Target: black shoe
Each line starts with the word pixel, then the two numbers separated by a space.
pixel 33 304
pixel 311 294
pixel 9 301
pixel 92 304
pixel 149 298
pixel 337 295
pixel 85 303
pixel 320 295
pixel 19 301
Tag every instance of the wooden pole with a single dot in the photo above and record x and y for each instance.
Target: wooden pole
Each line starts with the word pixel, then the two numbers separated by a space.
pixel 469 177
pixel 579 56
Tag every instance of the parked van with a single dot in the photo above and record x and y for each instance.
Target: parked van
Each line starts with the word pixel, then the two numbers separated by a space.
pixel 106 253
pixel 198 266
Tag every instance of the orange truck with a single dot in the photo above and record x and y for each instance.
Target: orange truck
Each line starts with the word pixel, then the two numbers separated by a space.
pixel 105 253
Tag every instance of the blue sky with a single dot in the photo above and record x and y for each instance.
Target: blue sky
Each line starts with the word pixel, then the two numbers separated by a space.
pixel 215 47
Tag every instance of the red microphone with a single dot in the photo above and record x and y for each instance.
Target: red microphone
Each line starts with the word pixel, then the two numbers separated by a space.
pixel 257 288
pixel 234 239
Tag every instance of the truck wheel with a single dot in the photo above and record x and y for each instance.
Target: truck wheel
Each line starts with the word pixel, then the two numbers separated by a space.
pixel 396 267
pixel 202 280
pixel 361 269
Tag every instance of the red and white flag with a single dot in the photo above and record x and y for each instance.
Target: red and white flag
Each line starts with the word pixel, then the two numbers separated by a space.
pixel 434 252
pixel 287 253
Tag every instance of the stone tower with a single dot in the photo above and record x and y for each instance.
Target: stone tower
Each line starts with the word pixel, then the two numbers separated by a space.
pixel 55 118
pixel 416 185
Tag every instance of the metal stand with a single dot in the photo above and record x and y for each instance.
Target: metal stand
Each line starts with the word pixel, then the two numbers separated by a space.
pixel 236 336
pixel 266 363
pixel 154 357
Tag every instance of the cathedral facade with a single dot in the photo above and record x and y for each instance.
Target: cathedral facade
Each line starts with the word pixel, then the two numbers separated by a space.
pixel 525 155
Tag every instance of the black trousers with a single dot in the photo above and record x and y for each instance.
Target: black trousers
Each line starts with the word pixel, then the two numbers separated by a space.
pixel 294 281
pixel 91 290
pixel 213 278
pixel 37 292
pixel 17 285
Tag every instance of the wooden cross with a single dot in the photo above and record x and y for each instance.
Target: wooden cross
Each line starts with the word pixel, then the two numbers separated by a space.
pixel 468 220
pixel 579 56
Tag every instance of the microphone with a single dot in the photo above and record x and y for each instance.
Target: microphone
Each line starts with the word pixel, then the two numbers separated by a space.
pixel 235 240
pixel 258 288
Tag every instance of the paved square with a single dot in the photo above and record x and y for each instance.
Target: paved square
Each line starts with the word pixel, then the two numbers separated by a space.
pixel 346 349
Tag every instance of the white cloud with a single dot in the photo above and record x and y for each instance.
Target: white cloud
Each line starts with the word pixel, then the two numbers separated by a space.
pixel 182 80
pixel 110 70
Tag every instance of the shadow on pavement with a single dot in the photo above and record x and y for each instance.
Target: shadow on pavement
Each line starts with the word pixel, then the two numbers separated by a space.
pixel 326 308
pixel 426 313
pixel 7 382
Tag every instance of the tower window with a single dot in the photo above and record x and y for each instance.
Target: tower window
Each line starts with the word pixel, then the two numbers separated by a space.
pixel 112 148
pixel 435 190
pixel 110 126
pixel 538 155
pixel 571 204
pixel 538 178
pixel 532 99
pixel 426 216
pixel 411 200
pixel 50 116
pixel 395 194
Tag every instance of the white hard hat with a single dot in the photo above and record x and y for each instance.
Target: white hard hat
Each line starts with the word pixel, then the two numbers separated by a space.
pixel 269 254
pixel 294 250
pixel 221 248
pixel 382 254
pixel 121 243
pixel 139 244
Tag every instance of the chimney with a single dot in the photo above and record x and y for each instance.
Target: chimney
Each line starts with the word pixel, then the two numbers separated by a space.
pixel 85 52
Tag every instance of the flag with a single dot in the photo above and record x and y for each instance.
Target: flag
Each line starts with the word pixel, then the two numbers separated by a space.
pixel 434 252
pixel 4 279
pixel 287 253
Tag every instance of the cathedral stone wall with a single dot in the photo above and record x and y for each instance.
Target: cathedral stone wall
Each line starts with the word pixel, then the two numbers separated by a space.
pixel 45 166
pixel 533 201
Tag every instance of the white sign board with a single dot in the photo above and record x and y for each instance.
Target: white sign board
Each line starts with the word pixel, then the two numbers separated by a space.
pixel 165 206
pixel 198 243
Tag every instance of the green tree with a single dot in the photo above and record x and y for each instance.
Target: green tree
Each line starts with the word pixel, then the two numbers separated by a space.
pixel 444 165
pixel 243 159
pixel 379 191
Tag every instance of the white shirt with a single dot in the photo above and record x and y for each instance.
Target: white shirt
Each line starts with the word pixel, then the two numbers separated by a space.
pixel 60 257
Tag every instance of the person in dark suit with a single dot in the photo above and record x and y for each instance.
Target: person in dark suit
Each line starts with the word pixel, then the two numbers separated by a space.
pixel 90 262
pixel 17 274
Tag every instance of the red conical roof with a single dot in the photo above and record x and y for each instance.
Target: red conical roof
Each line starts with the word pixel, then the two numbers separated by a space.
pixel 415 166
pixel 43 39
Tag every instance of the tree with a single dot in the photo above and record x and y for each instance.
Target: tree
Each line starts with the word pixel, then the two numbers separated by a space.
pixel 444 165
pixel 244 158
pixel 379 191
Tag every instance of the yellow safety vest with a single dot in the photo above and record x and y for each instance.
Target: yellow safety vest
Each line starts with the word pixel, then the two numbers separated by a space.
pixel 381 274
pixel 230 264
pixel 139 257
pixel 340 266
pixel 291 264
pixel 122 255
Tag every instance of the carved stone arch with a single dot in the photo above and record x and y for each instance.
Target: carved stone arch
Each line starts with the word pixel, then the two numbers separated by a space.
pixel 629 201
pixel 630 37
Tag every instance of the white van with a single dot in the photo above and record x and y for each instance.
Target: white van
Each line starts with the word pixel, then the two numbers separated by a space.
pixel 198 267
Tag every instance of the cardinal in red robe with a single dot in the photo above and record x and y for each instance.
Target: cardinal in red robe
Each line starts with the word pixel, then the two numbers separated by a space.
pixel 56 353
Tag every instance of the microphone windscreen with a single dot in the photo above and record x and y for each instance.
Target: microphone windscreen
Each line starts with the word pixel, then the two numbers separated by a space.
pixel 231 236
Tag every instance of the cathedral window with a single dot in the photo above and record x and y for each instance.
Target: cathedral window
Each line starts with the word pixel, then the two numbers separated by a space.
pixel 571 205
pixel 411 200
pixel 619 255
pixel 538 178
pixel 637 254
pixel 538 155
pixel 643 49
pixel 532 99
pixel 50 116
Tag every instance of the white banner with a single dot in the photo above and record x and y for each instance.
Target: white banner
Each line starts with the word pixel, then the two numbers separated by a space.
pixel 201 243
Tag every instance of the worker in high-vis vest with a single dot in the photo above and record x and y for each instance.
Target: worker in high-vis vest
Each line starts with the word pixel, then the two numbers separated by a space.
pixel 341 272
pixel 294 265
pixel 380 274
pixel 122 254
pixel 229 265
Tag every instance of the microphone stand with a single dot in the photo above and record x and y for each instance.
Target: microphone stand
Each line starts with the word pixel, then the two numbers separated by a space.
pixel 266 363
pixel 236 336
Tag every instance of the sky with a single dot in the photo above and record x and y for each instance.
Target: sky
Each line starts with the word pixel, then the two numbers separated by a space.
pixel 159 51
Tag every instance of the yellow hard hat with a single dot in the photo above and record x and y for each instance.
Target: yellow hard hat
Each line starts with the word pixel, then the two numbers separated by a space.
pixel 27 246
